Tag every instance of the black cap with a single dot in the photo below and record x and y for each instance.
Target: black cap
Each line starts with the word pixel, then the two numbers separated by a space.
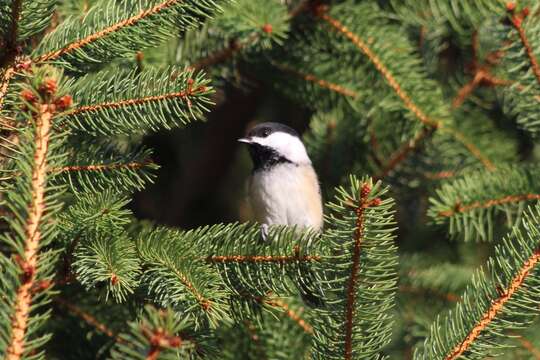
pixel 266 128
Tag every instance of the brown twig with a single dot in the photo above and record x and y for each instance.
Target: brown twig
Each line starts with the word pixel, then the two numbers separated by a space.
pixel 300 8
pixel 517 22
pixel 313 79
pixel 467 89
pixel 409 146
pixel 402 153
pixel 363 204
pixel 482 75
pixel 495 307
pixel 88 318
pixel 102 33
pixel 289 312
pixel 29 261
pixel 133 102
pixel 471 148
pixel 460 208
pixel 205 303
pixel 103 167
pixel 222 54
pixel 440 175
pixel 374 149
pixel 378 64
pixel 529 346
pixel 92 167
pixel 261 259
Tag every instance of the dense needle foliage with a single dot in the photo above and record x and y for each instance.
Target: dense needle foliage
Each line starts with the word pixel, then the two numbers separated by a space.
pixel 421 120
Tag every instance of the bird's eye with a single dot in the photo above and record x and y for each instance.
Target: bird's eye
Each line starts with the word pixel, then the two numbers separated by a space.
pixel 266 132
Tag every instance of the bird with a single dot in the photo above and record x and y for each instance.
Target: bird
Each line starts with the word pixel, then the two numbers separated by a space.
pixel 283 188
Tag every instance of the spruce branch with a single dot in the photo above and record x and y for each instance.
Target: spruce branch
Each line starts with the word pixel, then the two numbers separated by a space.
pixel 20 21
pixel 446 280
pixel 482 73
pixel 97 167
pixel 134 102
pixel 31 220
pixel 7 75
pixel 159 340
pixel 105 210
pixel 481 77
pixel 469 145
pixel 124 101
pixel 293 315
pixel 503 298
pixel 360 256
pixel 29 265
pixel 107 258
pixel 469 204
pixel 364 203
pixel 262 258
pixel 322 13
pixel 139 26
pixel 161 334
pixel 265 267
pixel 88 318
pixel 176 277
pixel 239 43
pixel 521 63
pixel 221 55
pixel 462 16
pixel 517 22
pixel 401 154
pixel 104 167
pixel 496 306
pixel 462 208
pixel 131 21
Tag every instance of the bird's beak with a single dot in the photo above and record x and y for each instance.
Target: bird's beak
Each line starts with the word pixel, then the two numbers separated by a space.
pixel 245 140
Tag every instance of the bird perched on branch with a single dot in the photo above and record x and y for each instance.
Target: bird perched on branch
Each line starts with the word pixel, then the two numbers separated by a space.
pixel 283 188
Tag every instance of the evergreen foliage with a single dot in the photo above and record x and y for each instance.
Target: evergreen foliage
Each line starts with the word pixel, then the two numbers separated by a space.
pixel 422 120
pixel 127 101
pixel 503 298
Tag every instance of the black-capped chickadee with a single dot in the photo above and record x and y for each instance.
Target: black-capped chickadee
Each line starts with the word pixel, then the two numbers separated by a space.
pixel 283 188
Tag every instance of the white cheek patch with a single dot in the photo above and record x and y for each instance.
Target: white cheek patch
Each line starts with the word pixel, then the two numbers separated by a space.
pixel 286 145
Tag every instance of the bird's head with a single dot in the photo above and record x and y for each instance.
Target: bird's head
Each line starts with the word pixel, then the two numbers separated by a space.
pixel 272 143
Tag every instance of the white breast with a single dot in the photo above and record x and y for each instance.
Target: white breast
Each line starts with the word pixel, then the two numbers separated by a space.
pixel 286 194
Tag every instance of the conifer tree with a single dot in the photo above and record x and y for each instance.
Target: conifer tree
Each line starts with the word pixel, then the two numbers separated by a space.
pixel 423 123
